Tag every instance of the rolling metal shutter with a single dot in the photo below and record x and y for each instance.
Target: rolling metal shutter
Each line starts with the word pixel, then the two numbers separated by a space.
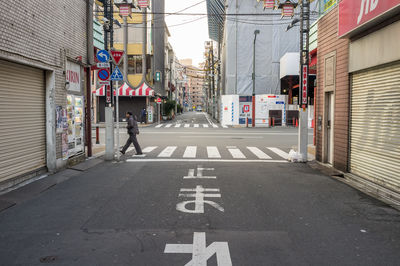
pixel 375 126
pixel 22 120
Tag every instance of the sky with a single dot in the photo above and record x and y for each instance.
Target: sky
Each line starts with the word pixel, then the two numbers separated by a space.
pixel 187 40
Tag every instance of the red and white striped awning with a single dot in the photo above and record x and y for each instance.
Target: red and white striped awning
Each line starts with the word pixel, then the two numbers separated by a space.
pixel 125 90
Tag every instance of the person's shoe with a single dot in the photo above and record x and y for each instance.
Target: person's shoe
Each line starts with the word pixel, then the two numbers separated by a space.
pixel 139 153
pixel 122 152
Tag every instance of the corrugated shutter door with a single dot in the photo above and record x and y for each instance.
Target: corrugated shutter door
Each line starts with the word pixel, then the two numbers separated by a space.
pixel 22 120
pixel 375 126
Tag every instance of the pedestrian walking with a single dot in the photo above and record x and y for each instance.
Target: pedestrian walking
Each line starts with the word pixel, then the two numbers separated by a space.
pixel 133 130
pixel 143 116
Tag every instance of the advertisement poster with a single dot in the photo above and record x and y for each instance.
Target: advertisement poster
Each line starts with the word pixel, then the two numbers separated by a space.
pixel 64 146
pixel 245 109
pixel 150 114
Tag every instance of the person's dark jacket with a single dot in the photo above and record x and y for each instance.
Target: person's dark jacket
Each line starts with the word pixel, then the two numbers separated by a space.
pixel 132 126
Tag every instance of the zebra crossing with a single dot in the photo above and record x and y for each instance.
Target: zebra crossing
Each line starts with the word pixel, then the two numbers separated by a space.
pixel 245 153
pixel 187 125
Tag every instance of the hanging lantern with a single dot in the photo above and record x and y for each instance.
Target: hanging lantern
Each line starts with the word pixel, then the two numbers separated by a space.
pixel 287 8
pixel 269 4
pixel 143 3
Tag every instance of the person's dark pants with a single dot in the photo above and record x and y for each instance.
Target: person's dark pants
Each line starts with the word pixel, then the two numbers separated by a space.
pixel 143 119
pixel 132 139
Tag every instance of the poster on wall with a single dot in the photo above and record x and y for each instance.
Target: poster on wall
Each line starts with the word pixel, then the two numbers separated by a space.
pixel 61 119
pixel 150 114
pixel 64 146
pixel 73 76
pixel 245 109
pixel 74 124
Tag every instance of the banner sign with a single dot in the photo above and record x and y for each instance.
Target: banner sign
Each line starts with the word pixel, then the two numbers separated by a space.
pixel 355 14
pixel 304 85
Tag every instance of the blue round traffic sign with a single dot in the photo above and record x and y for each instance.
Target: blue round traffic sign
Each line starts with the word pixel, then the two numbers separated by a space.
pixel 103 74
pixel 103 56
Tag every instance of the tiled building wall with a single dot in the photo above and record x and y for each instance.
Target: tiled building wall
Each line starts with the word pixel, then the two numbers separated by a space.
pixel 329 42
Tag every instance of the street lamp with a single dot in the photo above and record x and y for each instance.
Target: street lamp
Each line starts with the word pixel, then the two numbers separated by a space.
pixel 253 120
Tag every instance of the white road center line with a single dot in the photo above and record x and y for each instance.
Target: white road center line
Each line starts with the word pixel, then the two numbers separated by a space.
pixel 190 152
pixel 236 153
pixel 196 125
pixel 281 153
pixel 149 149
pixel 167 152
pixel 187 125
pixel 213 152
pixel 168 125
pixel 178 125
pixel 205 125
pixel 259 153
pixel 160 125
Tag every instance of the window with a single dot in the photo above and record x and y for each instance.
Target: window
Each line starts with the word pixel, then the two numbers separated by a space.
pixel 134 64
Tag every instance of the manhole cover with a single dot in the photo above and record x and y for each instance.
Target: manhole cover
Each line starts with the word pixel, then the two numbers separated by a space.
pixel 48 259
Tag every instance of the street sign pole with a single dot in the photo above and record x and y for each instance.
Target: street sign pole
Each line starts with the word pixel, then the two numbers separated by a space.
pixel 117 116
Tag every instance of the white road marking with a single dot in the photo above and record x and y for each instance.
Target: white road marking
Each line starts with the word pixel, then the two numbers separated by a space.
pixel 206 160
pixel 168 125
pixel 214 126
pixel 213 152
pixel 167 152
pixel 225 126
pixel 200 252
pixel 196 125
pixel 259 153
pixel 236 153
pixel 178 125
pixel 160 125
pixel 149 149
pixel 281 153
pixel 187 125
pixel 199 175
pixel 190 152
pixel 199 194
pixel 205 125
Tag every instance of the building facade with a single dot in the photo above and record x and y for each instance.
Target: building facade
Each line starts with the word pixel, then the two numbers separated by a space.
pixel 44 81
pixel 358 94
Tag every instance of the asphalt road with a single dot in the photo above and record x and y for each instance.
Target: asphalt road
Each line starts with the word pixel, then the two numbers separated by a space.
pixel 186 206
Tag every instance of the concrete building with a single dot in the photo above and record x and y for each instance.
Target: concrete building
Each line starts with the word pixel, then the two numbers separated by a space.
pixel 195 76
pixel 44 81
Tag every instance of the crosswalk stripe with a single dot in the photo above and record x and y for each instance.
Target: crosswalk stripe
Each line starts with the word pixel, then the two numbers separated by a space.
pixel 259 153
pixel 205 125
pixel 196 125
pixel 214 126
pixel 169 125
pixel 190 152
pixel 187 125
pixel 149 149
pixel 178 125
pixel 236 153
pixel 280 152
pixel 213 152
pixel 167 152
pixel 160 125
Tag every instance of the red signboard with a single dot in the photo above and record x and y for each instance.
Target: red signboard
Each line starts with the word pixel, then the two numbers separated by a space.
pixel 354 14
pixel 304 85
pixel 117 56
pixel 108 94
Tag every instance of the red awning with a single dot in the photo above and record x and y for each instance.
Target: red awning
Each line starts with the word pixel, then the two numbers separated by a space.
pixel 313 56
pixel 125 90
